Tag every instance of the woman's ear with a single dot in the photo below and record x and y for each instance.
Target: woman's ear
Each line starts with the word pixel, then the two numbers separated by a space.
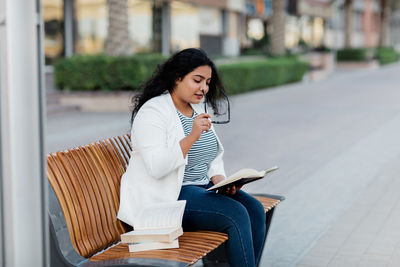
pixel 177 81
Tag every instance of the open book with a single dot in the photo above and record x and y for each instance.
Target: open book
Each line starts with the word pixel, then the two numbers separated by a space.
pixel 157 226
pixel 242 177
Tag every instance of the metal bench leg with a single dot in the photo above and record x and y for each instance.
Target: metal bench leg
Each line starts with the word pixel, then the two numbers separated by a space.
pixel 268 220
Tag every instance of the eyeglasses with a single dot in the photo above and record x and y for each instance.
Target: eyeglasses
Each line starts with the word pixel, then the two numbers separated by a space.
pixel 229 110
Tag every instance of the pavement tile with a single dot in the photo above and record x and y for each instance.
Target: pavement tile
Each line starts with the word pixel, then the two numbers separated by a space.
pixel 323 250
pixel 353 248
pixel 383 246
pixel 370 226
pixel 349 221
pixel 389 233
pixel 396 252
pixel 316 261
pixel 394 261
pixel 374 261
pixel 331 240
pixel 344 261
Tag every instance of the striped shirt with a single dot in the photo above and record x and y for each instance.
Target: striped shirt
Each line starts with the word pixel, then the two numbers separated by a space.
pixel 200 155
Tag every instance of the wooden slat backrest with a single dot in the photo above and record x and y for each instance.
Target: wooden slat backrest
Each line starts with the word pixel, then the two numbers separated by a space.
pixel 86 182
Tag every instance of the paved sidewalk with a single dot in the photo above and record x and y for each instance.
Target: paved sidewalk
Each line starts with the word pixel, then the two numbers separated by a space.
pixel 367 234
pixel 343 135
pixel 331 139
pixel 71 129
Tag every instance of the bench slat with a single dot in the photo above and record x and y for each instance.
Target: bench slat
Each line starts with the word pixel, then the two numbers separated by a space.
pixel 56 172
pixel 105 205
pixel 95 196
pixel 91 197
pixel 268 203
pixel 79 188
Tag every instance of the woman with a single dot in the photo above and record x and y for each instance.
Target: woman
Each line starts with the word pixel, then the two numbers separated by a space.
pixel 177 155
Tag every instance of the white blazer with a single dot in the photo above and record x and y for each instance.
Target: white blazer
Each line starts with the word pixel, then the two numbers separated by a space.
pixel 156 167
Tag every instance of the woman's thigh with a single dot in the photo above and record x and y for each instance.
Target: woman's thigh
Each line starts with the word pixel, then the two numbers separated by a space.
pixel 207 210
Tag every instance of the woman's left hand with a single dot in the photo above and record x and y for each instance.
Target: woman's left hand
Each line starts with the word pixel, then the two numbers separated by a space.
pixel 229 190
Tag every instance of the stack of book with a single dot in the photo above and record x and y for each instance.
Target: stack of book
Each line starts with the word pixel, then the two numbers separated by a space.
pixel 141 240
pixel 156 227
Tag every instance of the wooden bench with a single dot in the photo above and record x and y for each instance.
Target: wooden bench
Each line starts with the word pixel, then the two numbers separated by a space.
pixel 83 203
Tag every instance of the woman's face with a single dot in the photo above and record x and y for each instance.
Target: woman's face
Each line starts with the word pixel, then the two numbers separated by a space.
pixel 189 89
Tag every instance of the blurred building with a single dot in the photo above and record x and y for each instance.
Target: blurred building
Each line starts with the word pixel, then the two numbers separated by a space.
pixel 366 24
pixel 222 27
pixel 80 26
pixel 308 23
pixel 394 33
pixel 305 21
pixel 322 23
pixel 258 13
pixel 53 17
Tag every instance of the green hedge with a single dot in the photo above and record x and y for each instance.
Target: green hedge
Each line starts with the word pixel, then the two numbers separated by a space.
pixel 352 54
pixel 150 62
pixel 386 55
pixel 253 52
pixel 247 76
pixel 101 72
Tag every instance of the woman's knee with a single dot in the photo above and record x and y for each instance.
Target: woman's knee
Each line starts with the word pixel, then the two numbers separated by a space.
pixel 259 211
pixel 237 217
pixel 253 206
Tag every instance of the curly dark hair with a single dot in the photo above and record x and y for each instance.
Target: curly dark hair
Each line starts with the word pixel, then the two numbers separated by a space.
pixel 175 68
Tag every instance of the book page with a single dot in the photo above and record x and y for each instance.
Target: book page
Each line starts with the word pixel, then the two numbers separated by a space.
pixel 143 246
pixel 243 173
pixel 161 231
pixel 161 215
pixel 248 173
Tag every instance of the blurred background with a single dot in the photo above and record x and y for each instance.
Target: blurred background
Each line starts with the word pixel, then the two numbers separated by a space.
pixel 222 28
pixel 99 51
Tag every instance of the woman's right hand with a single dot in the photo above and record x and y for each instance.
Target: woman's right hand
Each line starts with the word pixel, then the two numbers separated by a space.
pixel 200 124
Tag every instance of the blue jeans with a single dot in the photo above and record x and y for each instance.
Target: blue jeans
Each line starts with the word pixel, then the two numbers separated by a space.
pixel 241 216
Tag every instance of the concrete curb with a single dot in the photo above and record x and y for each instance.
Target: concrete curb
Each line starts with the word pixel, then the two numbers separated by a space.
pixel 354 65
pixel 97 101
